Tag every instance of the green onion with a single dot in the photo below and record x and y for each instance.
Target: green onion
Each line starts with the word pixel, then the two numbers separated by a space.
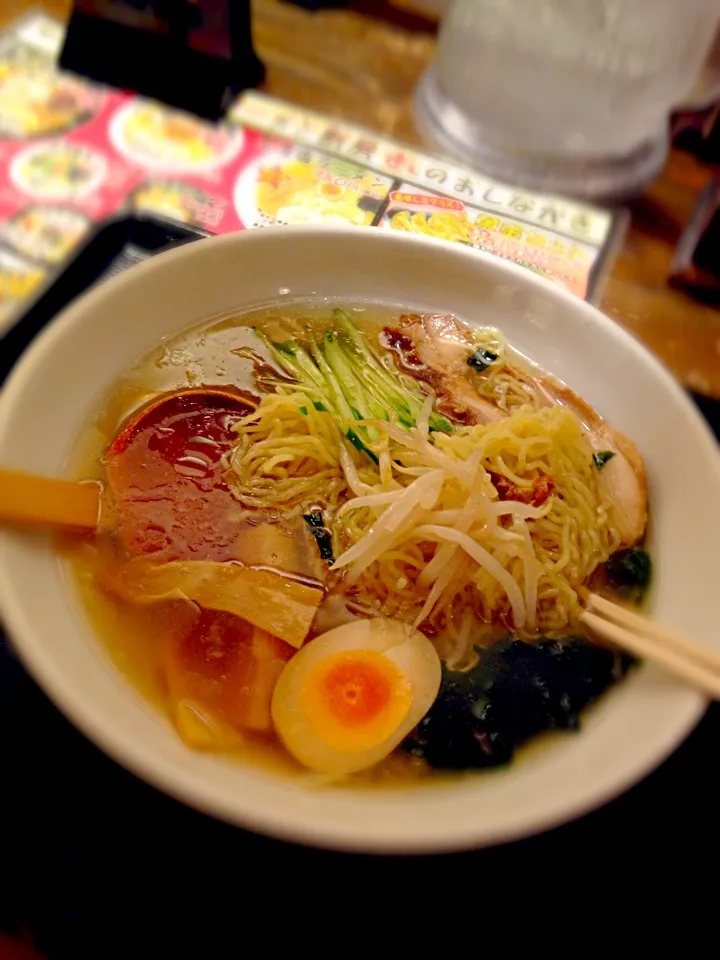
pixel 360 446
pixel 602 457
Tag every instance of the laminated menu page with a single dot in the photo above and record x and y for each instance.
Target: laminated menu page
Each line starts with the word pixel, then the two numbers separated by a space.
pixel 73 153
pixel 332 171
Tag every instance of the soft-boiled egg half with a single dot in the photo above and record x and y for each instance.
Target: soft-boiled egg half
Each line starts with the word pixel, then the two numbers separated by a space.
pixel 349 697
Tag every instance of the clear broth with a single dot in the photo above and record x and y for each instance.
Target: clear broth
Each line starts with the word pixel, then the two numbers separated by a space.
pixel 211 355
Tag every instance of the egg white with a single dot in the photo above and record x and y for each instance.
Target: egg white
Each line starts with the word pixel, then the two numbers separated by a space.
pixel 411 652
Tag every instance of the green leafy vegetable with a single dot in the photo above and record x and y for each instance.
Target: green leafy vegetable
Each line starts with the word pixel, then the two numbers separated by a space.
pixel 322 536
pixel 304 410
pixel 342 376
pixel 630 568
pixel 481 359
pixel 602 457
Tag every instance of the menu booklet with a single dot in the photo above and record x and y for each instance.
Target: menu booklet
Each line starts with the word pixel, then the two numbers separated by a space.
pixel 74 153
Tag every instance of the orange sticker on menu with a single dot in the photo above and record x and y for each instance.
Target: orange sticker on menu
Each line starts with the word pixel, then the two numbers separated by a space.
pixel 423 200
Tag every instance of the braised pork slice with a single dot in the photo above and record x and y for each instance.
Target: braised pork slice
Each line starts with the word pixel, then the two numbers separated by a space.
pixel 436 349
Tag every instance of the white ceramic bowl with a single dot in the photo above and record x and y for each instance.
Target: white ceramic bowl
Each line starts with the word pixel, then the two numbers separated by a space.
pixel 63 377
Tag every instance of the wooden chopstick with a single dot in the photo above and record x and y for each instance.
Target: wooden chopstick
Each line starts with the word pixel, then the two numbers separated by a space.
pixel 630 619
pixel 27 499
pixel 686 659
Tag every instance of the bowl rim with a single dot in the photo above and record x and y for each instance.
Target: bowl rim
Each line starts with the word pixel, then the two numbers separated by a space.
pixel 161 773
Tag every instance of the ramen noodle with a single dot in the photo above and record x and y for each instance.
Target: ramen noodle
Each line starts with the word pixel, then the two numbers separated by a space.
pixel 446 226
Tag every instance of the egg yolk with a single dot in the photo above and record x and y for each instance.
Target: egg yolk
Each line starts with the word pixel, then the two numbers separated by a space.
pixel 356 699
pixel 330 189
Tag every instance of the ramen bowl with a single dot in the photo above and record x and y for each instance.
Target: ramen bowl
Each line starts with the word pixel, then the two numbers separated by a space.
pixel 62 380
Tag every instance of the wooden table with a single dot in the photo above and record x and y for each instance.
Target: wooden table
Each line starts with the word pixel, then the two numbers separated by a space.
pixel 363 63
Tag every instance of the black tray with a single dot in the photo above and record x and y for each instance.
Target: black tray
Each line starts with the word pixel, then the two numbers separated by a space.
pixel 75 828
pixel 113 247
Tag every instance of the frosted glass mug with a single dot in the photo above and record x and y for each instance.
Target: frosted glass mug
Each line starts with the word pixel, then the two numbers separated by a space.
pixel 569 94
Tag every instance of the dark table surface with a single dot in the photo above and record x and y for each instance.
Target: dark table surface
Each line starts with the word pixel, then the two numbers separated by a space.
pixel 89 852
pixel 98 864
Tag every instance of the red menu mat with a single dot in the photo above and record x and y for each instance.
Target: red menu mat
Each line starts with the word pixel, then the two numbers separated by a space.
pixel 73 153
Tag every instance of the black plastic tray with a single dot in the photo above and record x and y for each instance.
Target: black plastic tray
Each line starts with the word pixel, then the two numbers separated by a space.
pixel 113 247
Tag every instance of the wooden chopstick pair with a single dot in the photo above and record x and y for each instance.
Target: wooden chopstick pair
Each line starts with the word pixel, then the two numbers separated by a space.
pixel 688 660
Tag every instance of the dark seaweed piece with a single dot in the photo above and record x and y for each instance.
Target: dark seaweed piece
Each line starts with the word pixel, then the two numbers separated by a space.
pixel 516 691
pixel 322 536
pixel 602 456
pixel 481 359
pixel 630 568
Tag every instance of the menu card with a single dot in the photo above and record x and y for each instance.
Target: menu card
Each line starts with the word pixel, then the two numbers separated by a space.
pixel 73 153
